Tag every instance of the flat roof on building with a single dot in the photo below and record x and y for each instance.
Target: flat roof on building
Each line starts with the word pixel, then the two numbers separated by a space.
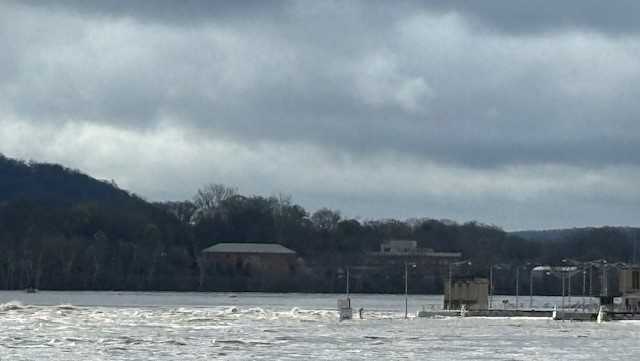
pixel 265 248
pixel 419 253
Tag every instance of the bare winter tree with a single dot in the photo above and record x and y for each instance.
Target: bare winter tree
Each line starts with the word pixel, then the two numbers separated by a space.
pixel 209 198
pixel 325 219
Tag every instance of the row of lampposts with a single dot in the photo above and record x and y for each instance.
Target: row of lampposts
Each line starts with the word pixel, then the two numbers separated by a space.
pixel 452 265
pixel 406 286
pixel 517 286
pixel 566 272
pixel 548 270
pixel 407 266
pixel 450 281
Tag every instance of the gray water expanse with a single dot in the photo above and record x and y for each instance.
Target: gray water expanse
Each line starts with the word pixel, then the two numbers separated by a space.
pixel 252 326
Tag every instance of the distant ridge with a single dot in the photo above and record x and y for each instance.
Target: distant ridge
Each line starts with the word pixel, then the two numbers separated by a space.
pixel 564 233
pixel 54 184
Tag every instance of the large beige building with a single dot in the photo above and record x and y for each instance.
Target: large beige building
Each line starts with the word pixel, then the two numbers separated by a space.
pixel 251 258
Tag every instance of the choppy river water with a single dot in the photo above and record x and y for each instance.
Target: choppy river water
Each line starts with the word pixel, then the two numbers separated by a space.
pixel 206 326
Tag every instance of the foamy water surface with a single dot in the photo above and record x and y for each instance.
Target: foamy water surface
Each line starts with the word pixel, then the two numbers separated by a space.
pixel 201 326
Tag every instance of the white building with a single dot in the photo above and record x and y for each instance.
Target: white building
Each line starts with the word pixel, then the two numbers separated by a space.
pixel 398 246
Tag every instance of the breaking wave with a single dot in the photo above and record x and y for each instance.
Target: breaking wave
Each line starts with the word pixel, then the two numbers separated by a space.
pixel 12 306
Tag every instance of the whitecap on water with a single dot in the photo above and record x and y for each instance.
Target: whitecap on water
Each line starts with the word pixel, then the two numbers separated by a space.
pixel 288 328
pixel 231 310
pixel 67 307
pixel 11 306
pixel 306 315
pixel 255 310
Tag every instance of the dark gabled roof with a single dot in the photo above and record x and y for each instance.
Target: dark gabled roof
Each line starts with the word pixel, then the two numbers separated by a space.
pixel 264 248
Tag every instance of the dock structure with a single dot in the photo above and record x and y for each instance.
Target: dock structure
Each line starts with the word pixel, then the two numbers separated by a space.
pixel 554 315
pixel 468 297
pixel 602 314
pixel 484 313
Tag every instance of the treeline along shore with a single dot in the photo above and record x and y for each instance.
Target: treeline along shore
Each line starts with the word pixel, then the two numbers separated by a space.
pixel 60 229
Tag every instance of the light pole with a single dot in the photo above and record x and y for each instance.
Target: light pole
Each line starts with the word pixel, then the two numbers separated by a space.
pixel 584 285
pixel 562 276
pixel 604 287
pixel 406 286
pixel 531 289
pixel 449 288
pixel 533 269
pixel 491 287
pixel 569 288
pixel 517 286
pixel 348 274
pixel 590 281
pixel 563 270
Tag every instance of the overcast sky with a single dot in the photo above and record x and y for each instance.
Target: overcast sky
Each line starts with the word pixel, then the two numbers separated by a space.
pixel 514 113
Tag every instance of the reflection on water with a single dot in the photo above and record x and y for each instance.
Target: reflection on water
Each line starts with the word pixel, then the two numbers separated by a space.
pixel 195 326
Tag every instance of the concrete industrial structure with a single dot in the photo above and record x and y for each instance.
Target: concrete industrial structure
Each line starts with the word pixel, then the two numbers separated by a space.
pixel 472 293
pixel 629 284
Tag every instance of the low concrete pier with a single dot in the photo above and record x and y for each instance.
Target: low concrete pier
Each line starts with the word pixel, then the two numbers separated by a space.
pixel 484 313
pixel 620 316
pixel 560 315
pixel 567 315
pixel 510 313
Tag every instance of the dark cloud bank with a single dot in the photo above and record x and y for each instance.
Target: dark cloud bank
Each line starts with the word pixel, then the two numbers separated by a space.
pixel 530 109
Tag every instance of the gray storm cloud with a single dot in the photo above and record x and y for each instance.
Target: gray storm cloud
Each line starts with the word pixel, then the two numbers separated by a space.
pixel 481 96
pixel 515 16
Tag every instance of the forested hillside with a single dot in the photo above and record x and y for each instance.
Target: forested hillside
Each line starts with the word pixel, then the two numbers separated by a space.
pixel 61 229
pixel 564 234
pixel 54 184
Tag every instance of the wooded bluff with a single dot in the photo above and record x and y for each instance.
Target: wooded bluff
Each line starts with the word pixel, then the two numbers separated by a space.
pixel 64 230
